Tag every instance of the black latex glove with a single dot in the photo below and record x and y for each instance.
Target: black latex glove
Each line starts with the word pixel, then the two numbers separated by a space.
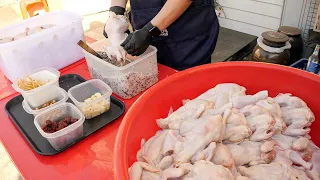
pixel 137 42
pixel 118 10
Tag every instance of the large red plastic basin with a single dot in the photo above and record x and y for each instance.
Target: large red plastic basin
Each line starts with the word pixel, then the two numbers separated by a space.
pixel 140 121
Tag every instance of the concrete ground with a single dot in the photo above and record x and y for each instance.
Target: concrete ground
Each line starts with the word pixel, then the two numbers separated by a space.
pixel 10 13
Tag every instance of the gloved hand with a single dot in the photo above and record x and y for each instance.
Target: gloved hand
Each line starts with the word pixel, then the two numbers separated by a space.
pixel 115 28
pixel 137 42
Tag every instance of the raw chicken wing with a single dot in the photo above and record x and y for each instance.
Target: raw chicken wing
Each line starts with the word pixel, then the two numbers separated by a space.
pixel 190 110
pixel 242 101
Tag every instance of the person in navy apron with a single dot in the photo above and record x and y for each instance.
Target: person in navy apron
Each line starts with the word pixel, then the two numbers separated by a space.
pixel 185 32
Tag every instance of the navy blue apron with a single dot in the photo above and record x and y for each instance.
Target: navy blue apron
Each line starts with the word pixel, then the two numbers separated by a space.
pixel 191 39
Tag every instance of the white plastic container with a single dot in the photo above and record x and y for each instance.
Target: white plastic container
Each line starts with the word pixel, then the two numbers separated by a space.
pixel 129 80
pixel 65 136
pixel 49 75
pixel 82 96
pixel 31 102
pixel 54 47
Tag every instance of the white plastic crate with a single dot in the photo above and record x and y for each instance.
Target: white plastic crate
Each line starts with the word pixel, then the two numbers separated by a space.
pixel 55 47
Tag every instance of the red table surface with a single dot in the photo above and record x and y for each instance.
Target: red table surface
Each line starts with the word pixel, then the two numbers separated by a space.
pixel 91 158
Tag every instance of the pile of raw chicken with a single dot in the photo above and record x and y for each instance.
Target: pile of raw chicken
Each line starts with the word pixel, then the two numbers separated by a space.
pixel 225 134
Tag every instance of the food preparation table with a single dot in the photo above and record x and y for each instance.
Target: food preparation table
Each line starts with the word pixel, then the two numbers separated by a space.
pixel 91 158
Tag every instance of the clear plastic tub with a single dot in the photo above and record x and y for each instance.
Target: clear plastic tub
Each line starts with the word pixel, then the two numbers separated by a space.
pixel 129 80
pixel 52 93
pixel 83 95
pixel 54 47
pixel 49 75
pixel 67 135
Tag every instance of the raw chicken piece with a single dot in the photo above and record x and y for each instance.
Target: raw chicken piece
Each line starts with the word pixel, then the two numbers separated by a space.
pixel 288 101
pixel 47 26
pixel 223 156
pixel 288 142
pixel 274 171
pixel 207 154
pixel 221 93
pixel 147 175
pixel 5 40
pixel 191 110
pixel 242 101
pixel 297 116
pixel 20 36
pixel 198 134
pixel 314 173
pixel 298 121
pixel 260 122
pixel 172 138
pixel 237 128
pixel 150 151
pixel 165 163
pixel 252 153
pixel 137 169
pixel 270 105
pixel 291 157
pixel 204 170
pixel 34 30
pixel 242 178
pixel 301 145
pixel 213 112
pixel 274 109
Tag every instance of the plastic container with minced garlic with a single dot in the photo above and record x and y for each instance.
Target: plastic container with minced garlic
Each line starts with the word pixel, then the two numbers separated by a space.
pixel 91 97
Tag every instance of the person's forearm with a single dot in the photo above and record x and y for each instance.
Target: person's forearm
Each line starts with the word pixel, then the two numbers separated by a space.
pixel 121 3
pixel 170 12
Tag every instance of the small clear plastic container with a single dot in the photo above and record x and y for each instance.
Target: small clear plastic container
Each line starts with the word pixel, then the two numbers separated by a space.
pixel 67 135
pixel 49 94
pixel 128 80
pixel 91 97
pixel 48 75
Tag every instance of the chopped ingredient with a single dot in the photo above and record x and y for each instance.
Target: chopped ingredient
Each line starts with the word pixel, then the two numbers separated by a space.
pixel 127 85
pixel 113 61
pixel 54 126
pixel 46 104
pixel 94 109
pixel 29 83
